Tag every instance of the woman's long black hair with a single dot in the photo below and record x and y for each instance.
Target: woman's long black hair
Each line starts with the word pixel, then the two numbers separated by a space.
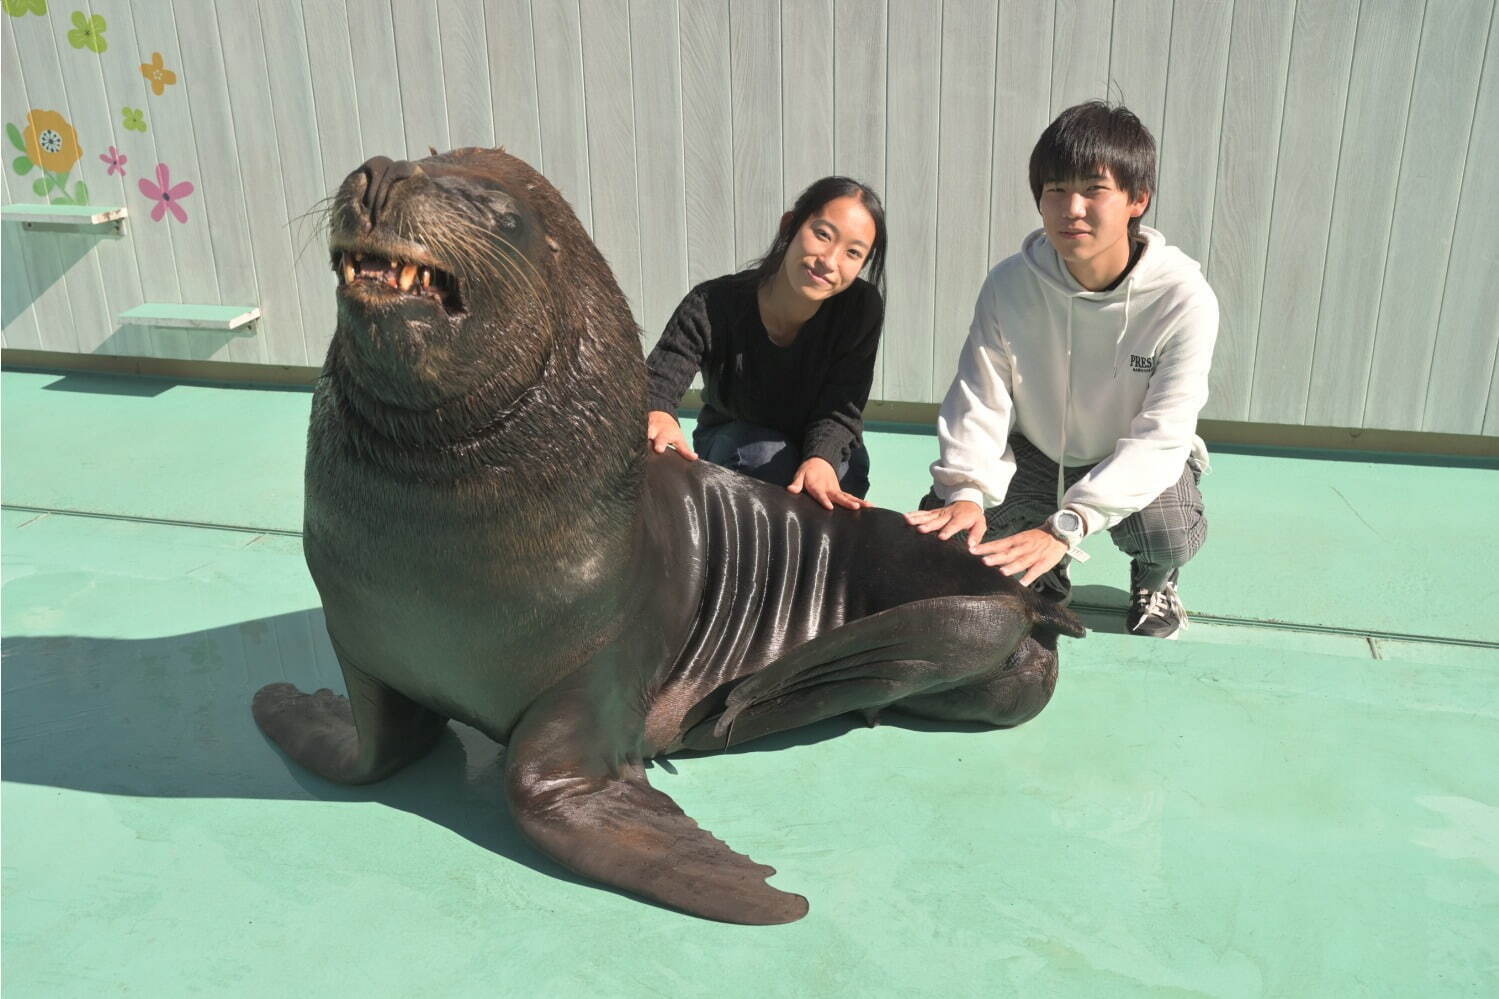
pixel 808 203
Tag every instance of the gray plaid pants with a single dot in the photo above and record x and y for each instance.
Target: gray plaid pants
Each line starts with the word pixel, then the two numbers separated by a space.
pixel 1159 539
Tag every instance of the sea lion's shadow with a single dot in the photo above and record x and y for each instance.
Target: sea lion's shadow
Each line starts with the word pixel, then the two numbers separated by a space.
pixel 170 717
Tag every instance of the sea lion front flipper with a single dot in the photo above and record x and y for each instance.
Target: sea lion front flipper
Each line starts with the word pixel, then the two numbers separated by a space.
pixel 358 739
pixel 586 803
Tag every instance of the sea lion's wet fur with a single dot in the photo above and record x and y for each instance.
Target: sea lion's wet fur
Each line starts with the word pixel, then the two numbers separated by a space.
pixel 494 544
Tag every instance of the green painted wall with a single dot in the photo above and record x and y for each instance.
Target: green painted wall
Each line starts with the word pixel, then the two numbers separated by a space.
pixel 1328 162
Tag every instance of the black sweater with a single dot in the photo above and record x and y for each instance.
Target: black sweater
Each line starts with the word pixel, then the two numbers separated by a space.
pixel 813 391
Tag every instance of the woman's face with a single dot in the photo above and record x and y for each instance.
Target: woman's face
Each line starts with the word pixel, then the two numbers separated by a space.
pixel 830 249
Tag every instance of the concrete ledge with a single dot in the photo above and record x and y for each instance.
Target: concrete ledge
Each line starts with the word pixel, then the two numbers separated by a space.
pixel 916 416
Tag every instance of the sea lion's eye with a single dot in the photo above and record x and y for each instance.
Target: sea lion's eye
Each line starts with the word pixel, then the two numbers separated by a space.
pixel 509 221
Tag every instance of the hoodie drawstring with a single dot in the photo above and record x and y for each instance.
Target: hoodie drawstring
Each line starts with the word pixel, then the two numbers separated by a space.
pixel 1067 408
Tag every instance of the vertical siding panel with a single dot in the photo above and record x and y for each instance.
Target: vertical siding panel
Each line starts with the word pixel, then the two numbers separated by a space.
pixel 657 73
pixel 220 187
pixel 1259 53
pixel 559 85
pixel 755 96
pixel 707 138
pixel 1491 418
pixel 1431 174
pixel 913 89
pixel 36 300
pixel 1194 113
pixel 335 87
pixel 1137 73
pixel 465 73
pixel 41 67
pixel 20 325
pixel 256 144
pixel 1080 53
pixel 1468 332
pixel 1022 102
pixel 377 78
pixel 611 140
pixel 169 120
pixel 512 78
pixel 151 244
pixel 964 158
pixel 859 56
pixel 1296 256
pixel 807 47
pixel 300 168
pixel 1379 89
pixel 419 59
pixel 112 258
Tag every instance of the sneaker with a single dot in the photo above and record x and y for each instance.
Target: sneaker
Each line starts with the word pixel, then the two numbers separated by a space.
pixel 1156 613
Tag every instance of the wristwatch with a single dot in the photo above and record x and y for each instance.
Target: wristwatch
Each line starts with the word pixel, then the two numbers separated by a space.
pixel 1066 525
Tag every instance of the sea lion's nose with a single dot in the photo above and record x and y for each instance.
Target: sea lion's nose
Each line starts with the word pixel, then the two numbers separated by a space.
pixel 381 175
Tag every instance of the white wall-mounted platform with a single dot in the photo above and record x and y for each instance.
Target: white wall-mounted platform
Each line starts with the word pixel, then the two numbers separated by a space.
pixel 186 316
pixel 55 217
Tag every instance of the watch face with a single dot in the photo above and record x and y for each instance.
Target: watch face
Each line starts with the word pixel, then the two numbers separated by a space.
pixel 1069 521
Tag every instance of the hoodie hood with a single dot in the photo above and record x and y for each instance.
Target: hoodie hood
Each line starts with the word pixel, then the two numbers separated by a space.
pixel 1160 267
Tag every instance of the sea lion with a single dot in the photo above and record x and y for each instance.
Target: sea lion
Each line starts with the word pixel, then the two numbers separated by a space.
pixel 493 543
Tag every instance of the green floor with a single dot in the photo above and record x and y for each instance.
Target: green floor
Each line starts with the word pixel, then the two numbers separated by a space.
pixel 1299 798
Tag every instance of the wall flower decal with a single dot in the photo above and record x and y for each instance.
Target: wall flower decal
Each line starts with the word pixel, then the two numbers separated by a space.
pixel 88 32
pixel 115 160
pixel 135 119
pixel 51 141
pixel 20 8
pixel 157 74
pixel 168 196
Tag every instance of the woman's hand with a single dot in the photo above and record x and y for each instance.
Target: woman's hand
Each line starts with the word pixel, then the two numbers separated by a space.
pixel 955 518
pixel 663 431
pixel 1032 552
pixel 819 480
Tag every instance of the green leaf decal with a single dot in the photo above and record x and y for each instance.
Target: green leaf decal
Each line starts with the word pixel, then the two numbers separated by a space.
pixel 23 164
pixel 80 193
pixel 15 136
pixel 40 187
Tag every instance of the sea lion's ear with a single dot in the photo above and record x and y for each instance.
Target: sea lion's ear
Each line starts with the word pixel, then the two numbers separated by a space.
pixel 556 247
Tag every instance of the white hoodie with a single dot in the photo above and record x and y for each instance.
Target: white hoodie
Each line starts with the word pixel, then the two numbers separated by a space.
pixel 1138 356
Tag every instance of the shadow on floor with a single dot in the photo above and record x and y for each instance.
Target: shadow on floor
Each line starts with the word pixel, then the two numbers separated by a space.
pixel 97 385
pixel 170 717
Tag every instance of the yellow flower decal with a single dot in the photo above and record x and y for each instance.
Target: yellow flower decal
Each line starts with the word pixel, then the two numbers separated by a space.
pixel 157 75
pixel 51 142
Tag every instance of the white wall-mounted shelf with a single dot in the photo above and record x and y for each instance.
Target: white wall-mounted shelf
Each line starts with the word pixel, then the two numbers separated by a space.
pixel 72 218
pixel 187 316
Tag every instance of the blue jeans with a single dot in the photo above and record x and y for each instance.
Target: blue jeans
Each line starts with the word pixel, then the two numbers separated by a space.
pixel 768 455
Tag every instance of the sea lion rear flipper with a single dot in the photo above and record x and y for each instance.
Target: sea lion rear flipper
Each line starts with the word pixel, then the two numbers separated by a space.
pixel 586 803
pixel 898 656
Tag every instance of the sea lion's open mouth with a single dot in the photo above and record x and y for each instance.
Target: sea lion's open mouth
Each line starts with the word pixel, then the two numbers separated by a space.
pixel 406 278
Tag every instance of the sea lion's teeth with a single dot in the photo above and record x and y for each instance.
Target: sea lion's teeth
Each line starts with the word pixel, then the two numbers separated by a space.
pixel 348 271
pixel 426 277
pixel 408 277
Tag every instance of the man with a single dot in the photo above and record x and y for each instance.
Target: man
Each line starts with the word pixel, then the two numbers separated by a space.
pixel 1075 404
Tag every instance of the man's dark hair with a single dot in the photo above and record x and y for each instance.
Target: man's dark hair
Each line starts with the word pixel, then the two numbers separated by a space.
pixel 810 201
pixel 1091 135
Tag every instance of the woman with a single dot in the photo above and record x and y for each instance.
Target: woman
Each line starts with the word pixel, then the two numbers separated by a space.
pixel 786 350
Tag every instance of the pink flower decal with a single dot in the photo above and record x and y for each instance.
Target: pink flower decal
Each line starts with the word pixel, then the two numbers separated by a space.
pixel 116 161
pixel 166 195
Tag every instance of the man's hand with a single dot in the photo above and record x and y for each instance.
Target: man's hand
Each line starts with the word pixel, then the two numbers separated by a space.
pixel 663 431
pixel 952 519
pixel 1034 552
pixel 819 479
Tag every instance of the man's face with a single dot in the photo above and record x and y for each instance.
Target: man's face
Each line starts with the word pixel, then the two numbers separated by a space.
pixel 1087 218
